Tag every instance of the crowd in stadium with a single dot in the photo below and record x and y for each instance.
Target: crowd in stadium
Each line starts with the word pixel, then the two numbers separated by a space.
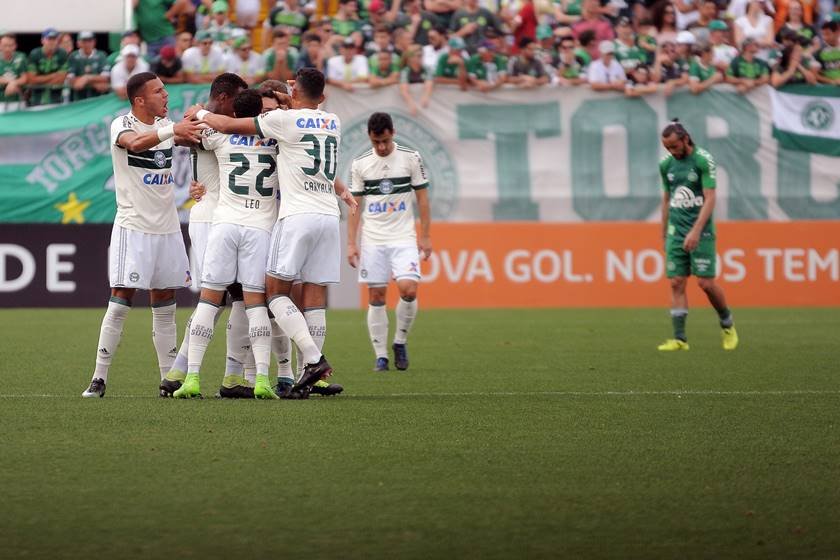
pixel 635 47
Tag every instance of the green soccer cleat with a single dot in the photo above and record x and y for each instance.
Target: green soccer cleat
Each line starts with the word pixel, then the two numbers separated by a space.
pixel 262 388
pixel 190 388
pixel 730 338
pixel 673 344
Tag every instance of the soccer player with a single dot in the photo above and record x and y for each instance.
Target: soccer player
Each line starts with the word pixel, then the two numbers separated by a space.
pixel 147 250
pixel 305 239
pixel 688 199
pixel 237 248
pixel 223 91
pixel 384 181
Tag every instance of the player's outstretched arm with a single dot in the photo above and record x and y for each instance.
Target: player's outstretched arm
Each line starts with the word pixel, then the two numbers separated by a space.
pixel 135 142
pixel 228 125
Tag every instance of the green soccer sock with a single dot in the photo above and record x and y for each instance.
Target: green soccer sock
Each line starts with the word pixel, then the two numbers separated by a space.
pixel 678 319
pixel 725 316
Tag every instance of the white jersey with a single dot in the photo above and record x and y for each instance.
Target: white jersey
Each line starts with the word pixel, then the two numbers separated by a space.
pixel 144 182
pixel 247 179
pixel 388 185
pixel 308 153
pixel 205 168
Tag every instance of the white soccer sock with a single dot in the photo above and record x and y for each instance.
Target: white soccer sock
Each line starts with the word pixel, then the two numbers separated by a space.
pixel 406 312
pixel 291 321
pixel 164 335
pixel 316 320
pixel 377 321
pixel 250 367
pixel 201 332
pixel 109 336
pixel 259 329
pixel 238 343
pixel 281 347
pixel 182 358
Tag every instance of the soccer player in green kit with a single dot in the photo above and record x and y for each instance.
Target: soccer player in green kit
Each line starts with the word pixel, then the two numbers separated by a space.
pixel 688 199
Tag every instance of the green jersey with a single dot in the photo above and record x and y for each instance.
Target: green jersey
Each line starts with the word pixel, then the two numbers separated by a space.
pixel 629 56
pixel 40 64
pixel 346 27
pixel 293 23
pixel 699 71
pixel 829 59
pixel 79 64
pixel 487 71
pixel 743 68
pixel 684 180
pixel 444 69
pixel 373 65
pixel 150 16
pixel 11 70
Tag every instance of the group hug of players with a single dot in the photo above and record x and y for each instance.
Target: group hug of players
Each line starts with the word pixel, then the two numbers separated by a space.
pixel 264 232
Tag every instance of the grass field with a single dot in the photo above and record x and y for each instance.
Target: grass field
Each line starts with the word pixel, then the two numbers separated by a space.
pixel 540 434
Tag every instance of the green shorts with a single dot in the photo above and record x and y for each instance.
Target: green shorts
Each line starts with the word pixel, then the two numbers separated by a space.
pixel 701 262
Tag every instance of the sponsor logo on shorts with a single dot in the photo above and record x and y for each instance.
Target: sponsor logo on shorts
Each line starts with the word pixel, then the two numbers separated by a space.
pixel 134 277
pixel 685 198
pixel 672 265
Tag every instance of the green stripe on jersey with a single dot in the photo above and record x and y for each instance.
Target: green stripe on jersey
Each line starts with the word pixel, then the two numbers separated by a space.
pixel 257 126
pixel 395 190
pixel 395 180
pixel 150 154
pixel 147 164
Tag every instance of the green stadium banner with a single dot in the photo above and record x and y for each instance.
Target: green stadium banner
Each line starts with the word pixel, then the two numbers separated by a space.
pixel 549 155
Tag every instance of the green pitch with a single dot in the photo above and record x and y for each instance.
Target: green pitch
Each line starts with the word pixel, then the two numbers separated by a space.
pixel 553 434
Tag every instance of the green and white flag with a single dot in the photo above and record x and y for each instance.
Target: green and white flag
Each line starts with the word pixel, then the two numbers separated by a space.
pixel 807 118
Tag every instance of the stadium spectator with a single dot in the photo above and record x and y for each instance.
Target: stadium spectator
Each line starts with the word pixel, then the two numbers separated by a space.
pixel 280 61
pixel 470 22
pixel 46 70
pixel 706 15
pixel 567 11
pixel 793 68
pixel 546 48
pixel 722 52
pixel 313 53
pixel 668 70
pixel 381 41
pixel 348 68
pixel 219 26
pixel 287 16
pixel 154 23
pixel 687 13
pixel 571 69
pixel 756 25
pixel 592 20
pixel 587 49
pixel 244 62
pixel 87 69
pixel 183 41
pixel 13 67
pixel 65 43
pixel 640 82
pixel 829 55
pixel 702 73
pixel 665 21
pixel 606 73
pixel 420 21
pixel 129 65
pixel 168 66
pixel 385 70
pixel 452 66
pixel 346 20
pixel 525 70
pixel 627 51
pixel 402 41
pixel 130 37
pixel 247 13
pixel 443 9
pixel 746 71
pixel 203 62
pixel 414 72
pixel 795 23
pixel 487 69
pixel 524 24
pixel 783 7
pixel 436 48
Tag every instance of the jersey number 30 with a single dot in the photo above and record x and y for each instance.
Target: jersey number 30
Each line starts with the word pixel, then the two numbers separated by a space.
pixel 330 155
pixel 244 166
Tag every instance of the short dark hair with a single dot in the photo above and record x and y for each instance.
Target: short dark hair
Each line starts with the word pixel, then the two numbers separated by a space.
pixel 524 42
pixel 311 37
pixel 247 104
pixel 379 123
pixel 227 83
pixel 677 128
pixel 832 25
pixel 136 83
pixel 270 86
pixel 310 81
pixel 278 32
pixel 586 37
pixel 13 37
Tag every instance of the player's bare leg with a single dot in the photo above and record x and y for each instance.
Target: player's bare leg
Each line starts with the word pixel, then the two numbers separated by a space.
pixel 679 315
pixel 405 314
pixel 110 333
pixel 377 322
pixel 718 300
pixel 200 333
pixel 293 323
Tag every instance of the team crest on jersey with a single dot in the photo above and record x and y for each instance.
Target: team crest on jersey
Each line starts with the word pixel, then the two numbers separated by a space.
pixel 386 186
pixel 160 159
pixel 692 176
pixel 671 177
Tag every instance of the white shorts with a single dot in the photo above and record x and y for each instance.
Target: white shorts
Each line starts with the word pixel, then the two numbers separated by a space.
pixel 379 263
pixel 147 261
pixel 306 247
pixel 235 253
pixel 199 233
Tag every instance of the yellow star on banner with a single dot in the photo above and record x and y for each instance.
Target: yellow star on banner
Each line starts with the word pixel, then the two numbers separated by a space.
pixel 73 210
